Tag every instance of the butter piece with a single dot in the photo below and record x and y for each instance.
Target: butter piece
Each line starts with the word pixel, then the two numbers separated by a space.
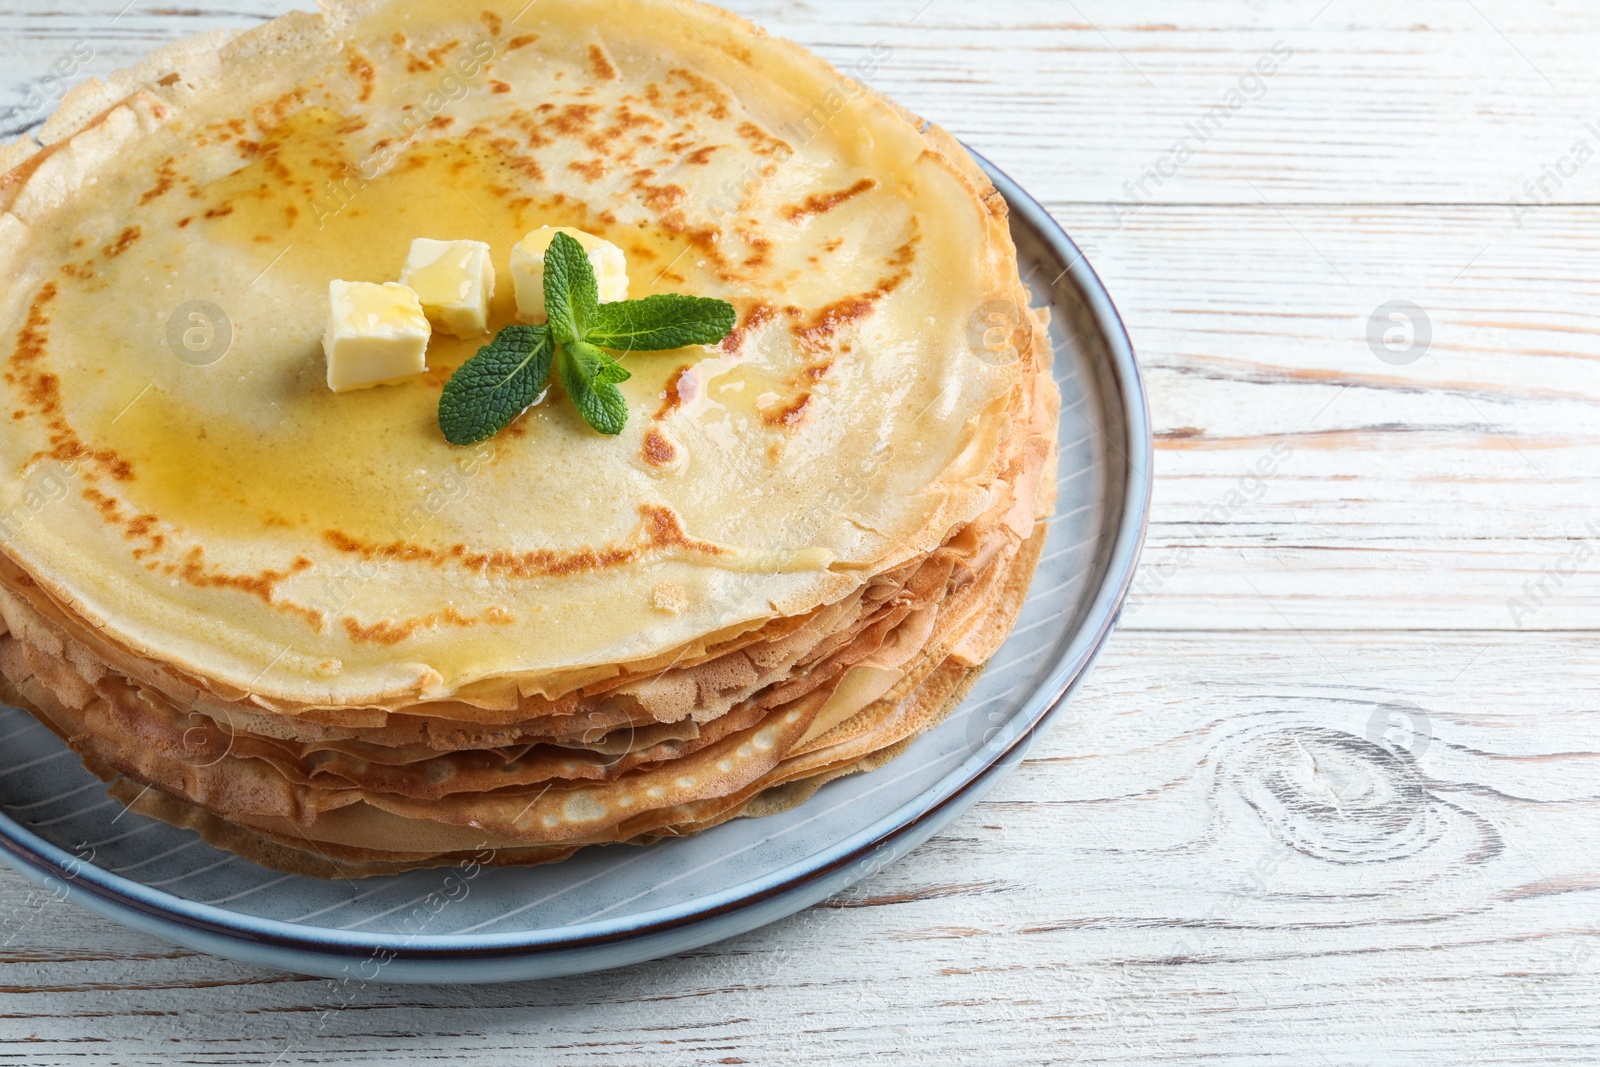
pixel 527 269
pixel 377 335
pixel 454 281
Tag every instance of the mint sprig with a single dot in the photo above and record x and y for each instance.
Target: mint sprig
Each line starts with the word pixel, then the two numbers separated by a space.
pixel 512 372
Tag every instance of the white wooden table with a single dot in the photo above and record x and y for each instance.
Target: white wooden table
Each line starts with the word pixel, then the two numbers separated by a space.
pixel 1333 794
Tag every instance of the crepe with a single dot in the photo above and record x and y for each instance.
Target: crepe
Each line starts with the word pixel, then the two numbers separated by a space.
pixel 308 627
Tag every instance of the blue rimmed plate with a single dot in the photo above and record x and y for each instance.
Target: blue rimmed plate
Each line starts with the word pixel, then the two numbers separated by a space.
pixel 616 905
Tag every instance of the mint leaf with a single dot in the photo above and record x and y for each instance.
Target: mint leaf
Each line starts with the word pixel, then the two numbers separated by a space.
pixel 596 365
pixel 488 391
pixel 660 322
pixel 590 377
pixel 571 291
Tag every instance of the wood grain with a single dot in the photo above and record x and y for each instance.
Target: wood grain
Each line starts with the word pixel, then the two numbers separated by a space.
pixel 1331 796
pixel 1352 492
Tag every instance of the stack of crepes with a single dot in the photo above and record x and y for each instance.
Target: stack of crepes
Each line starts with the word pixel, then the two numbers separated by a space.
pixel 308 628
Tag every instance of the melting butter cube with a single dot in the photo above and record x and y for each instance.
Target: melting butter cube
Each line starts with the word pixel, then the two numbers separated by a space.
pixel 454 281
pixel 527 269
pixel 377 334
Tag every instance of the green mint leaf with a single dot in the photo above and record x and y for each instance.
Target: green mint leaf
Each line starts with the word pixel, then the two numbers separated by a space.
pixel 571 291
pixel 488 391
pixel 661 322
pixel 596 365
pixel 590 377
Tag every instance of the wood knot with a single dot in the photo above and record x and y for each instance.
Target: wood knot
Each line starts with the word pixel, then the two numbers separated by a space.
pixel 1340 798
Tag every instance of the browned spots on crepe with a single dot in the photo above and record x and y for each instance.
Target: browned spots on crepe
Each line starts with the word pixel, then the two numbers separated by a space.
pixel 142 528
pixel 790 414
pixel 760 249
pixel 497 86
pixel 629 119
pixel 758 316
pixel 763 143
pixel 384 632
pixel 124 241
pixel 166 177
pixel 696 94
pixel 904 256
pixel 40 392
pixel 361 69
pixel 674 395
pixel 270 116
pixel 32 341
pixel 664 200
pixel 437 55
pixel 822 203
pixel 494 23
pixel 432 59
pixel 829 321
pixel 570 120
pixel 660 530
pixel 600 64
pixel 193 569
pixel 657 450
pixel 666 531
pixel 263 584
pixel 521 42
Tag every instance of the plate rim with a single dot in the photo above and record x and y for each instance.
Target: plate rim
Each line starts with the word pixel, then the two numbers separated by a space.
pixel 43 861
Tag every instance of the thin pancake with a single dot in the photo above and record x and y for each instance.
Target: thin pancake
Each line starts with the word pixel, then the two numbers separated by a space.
pixel 264 536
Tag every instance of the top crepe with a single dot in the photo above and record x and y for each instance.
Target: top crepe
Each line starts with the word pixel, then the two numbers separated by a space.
pixel 179 476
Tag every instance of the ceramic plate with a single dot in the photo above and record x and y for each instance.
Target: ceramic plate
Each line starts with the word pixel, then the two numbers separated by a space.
pixel 621 904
